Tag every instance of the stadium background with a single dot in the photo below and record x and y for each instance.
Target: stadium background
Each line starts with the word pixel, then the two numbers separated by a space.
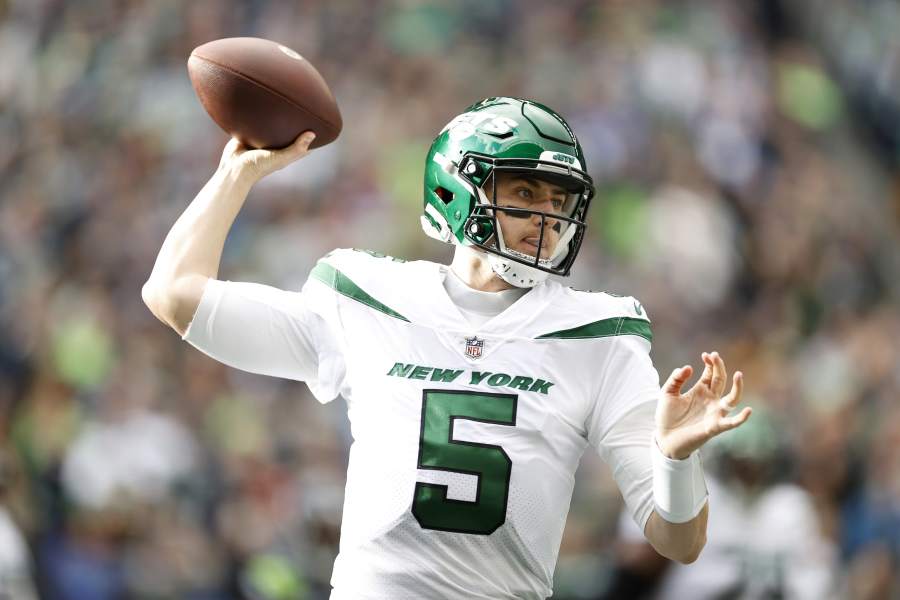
pixel 746 155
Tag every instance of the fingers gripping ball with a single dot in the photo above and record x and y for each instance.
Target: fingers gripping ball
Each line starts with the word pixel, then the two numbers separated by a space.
pixel 262 93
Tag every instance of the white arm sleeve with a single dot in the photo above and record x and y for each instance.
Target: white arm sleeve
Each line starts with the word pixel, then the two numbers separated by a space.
pixel 626 449
pixel 621 421
pixel 262 329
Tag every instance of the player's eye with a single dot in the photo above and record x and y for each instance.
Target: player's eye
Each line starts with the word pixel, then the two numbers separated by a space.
pixel 525 192
pixel 557 203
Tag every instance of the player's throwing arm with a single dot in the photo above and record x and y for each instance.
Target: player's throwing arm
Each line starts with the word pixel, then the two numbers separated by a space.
pixel 275 105
pixel 192 250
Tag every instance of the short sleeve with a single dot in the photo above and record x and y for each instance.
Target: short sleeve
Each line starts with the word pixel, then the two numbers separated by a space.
pixel 628 380
pixel 265 330
pixel 626 449
pixel 620 422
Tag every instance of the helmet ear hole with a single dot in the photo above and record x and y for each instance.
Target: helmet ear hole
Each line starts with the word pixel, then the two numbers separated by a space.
pixel 444 194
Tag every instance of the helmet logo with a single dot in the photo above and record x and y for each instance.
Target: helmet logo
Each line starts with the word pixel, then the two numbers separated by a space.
pixel 499 125
pixel 561 158
pixel 466 124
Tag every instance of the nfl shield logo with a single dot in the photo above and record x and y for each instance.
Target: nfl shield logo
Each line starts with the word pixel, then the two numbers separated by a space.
pixel 474 346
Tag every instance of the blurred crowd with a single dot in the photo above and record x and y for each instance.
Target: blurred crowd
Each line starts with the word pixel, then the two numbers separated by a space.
pixel 746 157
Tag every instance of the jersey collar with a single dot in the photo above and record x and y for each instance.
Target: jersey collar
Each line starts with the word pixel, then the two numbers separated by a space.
pixel 510 322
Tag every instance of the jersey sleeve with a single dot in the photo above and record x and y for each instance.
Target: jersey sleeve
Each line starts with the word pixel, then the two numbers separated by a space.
pixel 627 380
pixel 265 330
pixel 626 449
pixel 621 419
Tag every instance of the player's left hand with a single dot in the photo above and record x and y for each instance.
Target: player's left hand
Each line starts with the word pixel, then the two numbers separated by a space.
pixel 684 422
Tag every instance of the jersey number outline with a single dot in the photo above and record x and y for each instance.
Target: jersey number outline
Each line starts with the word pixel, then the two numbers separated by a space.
pixel 438 451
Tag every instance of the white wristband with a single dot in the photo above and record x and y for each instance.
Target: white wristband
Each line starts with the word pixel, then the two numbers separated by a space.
pixel 679 488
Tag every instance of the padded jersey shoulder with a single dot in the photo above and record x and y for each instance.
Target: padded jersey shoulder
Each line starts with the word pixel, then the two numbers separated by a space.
pixel 374 279
pixel 355 258
pixel 578 314
pixel 394 287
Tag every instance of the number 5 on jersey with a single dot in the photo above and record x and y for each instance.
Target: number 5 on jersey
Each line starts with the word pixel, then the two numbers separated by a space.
pixel 440 452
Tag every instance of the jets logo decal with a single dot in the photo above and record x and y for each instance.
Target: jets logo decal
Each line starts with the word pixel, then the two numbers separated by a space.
pixel 467 124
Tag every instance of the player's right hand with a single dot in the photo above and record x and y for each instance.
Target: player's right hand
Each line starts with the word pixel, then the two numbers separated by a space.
pixel 255 163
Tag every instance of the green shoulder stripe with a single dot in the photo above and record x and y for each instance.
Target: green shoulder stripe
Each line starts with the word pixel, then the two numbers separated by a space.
pixel 344 285
pixel 605 328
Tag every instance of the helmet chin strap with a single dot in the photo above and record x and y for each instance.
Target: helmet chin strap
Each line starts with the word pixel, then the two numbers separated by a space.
pixel 514 273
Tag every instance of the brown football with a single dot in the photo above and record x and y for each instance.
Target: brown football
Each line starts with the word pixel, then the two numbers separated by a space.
pixel 263 93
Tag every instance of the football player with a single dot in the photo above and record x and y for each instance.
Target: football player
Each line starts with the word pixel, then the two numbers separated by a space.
pixel 472 389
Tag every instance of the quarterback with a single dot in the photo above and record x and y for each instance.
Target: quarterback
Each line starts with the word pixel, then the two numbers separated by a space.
pixel 473 388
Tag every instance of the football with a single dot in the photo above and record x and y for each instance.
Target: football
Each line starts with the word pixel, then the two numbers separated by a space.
pixel 263 93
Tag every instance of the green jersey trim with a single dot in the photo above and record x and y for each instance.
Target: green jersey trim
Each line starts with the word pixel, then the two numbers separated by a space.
pixel 344 285
pixel 604 328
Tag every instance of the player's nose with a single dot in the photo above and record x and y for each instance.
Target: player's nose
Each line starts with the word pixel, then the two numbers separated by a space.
pixel 547 218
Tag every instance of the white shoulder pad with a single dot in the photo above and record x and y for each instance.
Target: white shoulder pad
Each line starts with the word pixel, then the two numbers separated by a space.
pixel 581 314
pixel 371 271
pixel 370 278
pixel 353 261
pixel 609 305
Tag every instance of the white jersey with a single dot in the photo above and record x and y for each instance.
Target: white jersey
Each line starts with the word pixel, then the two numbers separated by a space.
pixel 465 439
